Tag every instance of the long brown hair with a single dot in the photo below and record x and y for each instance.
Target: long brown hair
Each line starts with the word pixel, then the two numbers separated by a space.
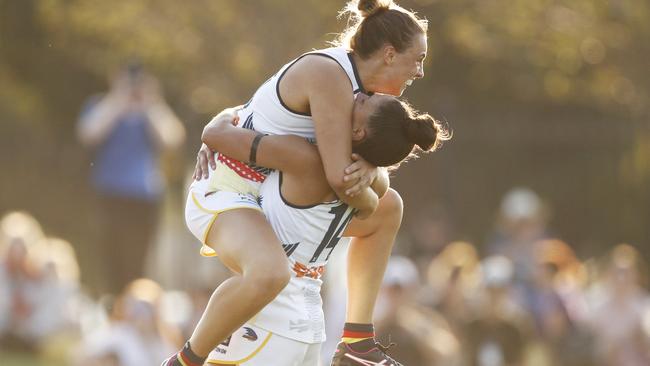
pixel 394 130
pixel 374 23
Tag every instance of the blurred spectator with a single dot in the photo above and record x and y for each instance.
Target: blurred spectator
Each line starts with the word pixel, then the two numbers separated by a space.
pixel 495 337
pixel 428 233
pixel 453 277
pixel 39 282
pixel 423 336
pixel 135 334
pixel 127 128
pixel 619 312
pixel 522 222
pixel 19 280
pixel 558 329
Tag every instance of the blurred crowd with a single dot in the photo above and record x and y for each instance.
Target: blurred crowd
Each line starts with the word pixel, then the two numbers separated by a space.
pixel 521 298
pixel 46 311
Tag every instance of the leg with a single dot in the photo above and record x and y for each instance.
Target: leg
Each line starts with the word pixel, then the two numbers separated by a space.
pixel 246 243
pixel 129 226
pixel 368 255
pixel 139 224
pixel 367 259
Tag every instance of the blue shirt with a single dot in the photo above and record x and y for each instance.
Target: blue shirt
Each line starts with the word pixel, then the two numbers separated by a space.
pixel 126 163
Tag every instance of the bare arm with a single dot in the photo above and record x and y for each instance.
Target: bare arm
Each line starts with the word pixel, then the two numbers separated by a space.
pixel 167 130
pixel 382 183
pixel 164 126
pixel 361 172
pixel 291 154
pixel 288 153
pixel 95 125
pixel 328 86
pixel 205 156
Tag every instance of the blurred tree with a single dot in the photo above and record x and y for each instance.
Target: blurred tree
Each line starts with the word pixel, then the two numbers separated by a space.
pixel 547 93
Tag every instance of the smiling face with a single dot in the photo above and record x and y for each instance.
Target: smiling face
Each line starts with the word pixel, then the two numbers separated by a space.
pixel 402 68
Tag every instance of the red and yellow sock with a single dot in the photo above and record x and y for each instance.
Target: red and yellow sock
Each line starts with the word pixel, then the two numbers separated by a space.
pixel 186 357
pixel 354 333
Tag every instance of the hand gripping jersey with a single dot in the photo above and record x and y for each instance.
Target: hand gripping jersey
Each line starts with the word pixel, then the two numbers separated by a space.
pixel 309 234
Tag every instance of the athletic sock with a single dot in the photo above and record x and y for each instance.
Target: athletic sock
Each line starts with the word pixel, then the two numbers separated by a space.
pixel 359 337
pixel 186 357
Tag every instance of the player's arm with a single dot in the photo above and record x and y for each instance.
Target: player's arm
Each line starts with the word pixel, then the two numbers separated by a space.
pixel 291 154
pixel 328 86
pixel 166 128
pixel 382 182
pixel 360 171
pixel 287 153
pixel 97 122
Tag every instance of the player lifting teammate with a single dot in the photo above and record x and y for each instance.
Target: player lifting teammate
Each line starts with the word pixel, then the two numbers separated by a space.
pixel 313 96
pixel 310 220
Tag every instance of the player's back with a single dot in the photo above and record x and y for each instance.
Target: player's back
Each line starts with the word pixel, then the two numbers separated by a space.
pixel 309 235
pixel 315 228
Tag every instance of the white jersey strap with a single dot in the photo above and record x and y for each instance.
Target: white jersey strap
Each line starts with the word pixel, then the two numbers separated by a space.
pixel 342 57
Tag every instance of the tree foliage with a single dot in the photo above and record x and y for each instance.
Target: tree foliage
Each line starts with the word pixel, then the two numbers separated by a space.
pixel 522 76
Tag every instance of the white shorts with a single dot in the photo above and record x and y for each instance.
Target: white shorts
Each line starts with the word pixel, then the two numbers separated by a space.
pixel 224 190
pixel 253 346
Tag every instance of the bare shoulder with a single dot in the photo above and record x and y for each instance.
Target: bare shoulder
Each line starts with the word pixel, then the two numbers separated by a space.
pixel 314 77
pixel 320 69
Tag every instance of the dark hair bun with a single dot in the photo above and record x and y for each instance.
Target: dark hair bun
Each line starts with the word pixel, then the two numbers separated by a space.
pixel 370 7
pixel 422 131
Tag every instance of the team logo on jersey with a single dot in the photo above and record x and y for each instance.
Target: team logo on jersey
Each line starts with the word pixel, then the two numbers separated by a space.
pixel 246 198
pixel 222 348
pixel 226 342
pixel 250 334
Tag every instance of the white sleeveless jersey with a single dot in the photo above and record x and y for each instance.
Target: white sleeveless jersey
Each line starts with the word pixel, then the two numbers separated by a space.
pixel 309 234
pixel 267 113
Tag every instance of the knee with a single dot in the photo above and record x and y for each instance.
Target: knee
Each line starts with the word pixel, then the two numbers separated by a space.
pixel 268 280
pixel 277 278
pixel 391 207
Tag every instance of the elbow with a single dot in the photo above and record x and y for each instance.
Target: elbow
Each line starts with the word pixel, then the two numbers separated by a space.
pixel 205 134
pixel 210 136
pixel 337 184
pixel 176 138
pixel 86 138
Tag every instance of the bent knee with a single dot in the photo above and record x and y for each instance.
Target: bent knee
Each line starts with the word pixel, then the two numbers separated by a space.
pixel 391 206
pixel 269 281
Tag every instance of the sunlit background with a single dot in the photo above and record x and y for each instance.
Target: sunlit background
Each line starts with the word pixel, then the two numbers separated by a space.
pixel 547 174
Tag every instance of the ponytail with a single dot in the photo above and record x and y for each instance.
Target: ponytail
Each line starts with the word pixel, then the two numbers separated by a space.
pixel 368 8
pixel 394 130
pixel 424 131
pixel 374 23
